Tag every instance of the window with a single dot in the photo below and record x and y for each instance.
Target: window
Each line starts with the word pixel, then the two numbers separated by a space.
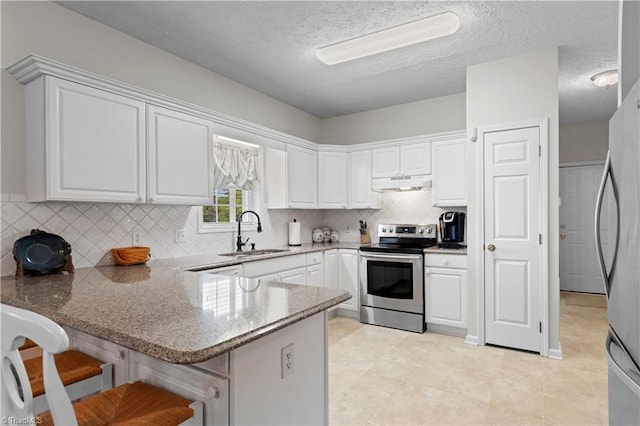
pixel 235 177
pixel 227 205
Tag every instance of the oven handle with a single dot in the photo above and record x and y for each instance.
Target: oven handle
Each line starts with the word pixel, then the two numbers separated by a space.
pixel 392 256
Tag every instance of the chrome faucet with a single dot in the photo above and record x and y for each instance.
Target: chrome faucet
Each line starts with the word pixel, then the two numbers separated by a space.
pixel 239 243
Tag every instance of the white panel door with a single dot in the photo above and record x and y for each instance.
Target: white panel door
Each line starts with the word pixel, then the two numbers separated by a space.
pixel 333 184
pixel 385 162
pixel 293 276
pixel 449 170
pixel 579 270
pixel 180 158
pixel 302 177
pixel 348 277
pixel 512 228
pixel 415 159
pixel 96 146
pixel 445 296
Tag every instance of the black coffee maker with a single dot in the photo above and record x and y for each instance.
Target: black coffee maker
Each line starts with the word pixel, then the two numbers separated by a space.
pixel 452 230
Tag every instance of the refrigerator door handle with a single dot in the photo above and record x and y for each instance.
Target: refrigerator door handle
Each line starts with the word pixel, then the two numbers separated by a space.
pixel 606 276
pixel 613 363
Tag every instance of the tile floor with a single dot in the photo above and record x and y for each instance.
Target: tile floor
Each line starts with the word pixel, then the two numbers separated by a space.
pixel 383 376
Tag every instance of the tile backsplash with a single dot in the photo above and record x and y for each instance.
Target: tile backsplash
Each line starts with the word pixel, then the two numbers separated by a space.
pixel 93 229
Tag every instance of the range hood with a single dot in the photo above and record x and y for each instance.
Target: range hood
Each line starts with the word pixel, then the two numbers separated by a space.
pixel 400 183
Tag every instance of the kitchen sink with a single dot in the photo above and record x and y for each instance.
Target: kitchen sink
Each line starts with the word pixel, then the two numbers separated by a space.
pixel 253 252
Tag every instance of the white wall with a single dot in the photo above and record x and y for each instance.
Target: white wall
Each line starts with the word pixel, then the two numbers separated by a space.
pixel 628 46
pixel 583 141
pixel 515 89
pixel 443 114
pixel 49 30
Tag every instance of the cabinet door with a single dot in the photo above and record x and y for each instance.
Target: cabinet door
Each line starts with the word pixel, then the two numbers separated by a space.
pixel 180 158
pixel 348 277
pixel 294 276
pixel 361 196
pixel 331 268
pixel 385 162
pixel 186 381
pixel 446 296
pixel 94 146
pixel 302 177
pixel 332 180
pixel 415 159
pixel 449 168
pixel 315 275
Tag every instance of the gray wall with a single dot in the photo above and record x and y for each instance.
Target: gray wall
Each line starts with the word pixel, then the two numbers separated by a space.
pixel 584 141
pixel 443 114
pixel 515 89
pixel 49 30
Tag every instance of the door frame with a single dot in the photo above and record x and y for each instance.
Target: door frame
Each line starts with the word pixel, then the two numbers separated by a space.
pixel 543 126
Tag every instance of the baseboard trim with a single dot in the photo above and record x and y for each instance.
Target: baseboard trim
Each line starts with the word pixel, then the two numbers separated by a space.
pixel 556 353
pixel 472 340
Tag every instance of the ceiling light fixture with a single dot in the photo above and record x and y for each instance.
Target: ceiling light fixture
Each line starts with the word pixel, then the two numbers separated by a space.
pixel 403 35
pixel 605 79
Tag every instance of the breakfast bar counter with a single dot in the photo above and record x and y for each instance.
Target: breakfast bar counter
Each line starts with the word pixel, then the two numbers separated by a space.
pixel 253 351
pixel 177 316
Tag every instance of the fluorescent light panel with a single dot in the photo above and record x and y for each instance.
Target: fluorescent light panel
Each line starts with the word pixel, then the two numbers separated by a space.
pixel 403 35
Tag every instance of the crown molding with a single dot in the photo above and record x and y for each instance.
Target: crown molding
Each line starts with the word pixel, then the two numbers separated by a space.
pixel 33 66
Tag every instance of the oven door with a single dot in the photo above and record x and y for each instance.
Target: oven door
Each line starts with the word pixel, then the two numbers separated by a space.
pixel 392 281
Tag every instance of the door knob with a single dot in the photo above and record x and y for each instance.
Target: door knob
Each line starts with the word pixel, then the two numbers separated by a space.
pixel 491 247
pixel 563 235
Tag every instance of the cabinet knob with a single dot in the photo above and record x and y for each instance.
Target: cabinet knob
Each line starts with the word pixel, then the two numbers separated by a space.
pixel 491 247
pixel 446 262
pixel 121 354
pixel 151 200
pixel 427 272
pixel 214 392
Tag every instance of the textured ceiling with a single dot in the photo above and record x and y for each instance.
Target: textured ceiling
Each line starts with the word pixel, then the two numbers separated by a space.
pixel 270 46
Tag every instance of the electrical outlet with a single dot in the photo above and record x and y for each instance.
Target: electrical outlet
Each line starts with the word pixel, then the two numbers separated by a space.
pixel 136 238
pixel 286 359
pixel 180 235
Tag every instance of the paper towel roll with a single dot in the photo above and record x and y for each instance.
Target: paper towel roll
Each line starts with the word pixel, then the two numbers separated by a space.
pixel 294 233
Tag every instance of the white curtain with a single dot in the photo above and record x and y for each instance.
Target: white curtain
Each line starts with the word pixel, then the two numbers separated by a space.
pixel 235 164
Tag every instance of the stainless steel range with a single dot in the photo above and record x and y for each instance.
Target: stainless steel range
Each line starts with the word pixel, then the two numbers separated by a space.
pixel 392 277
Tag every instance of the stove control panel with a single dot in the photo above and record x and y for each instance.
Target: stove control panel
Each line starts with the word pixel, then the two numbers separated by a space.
pixel 407 231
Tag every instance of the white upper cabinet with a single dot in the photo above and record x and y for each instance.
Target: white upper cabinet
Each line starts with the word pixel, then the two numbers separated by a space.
pixel 449 173
pixel 404 160
pixel 332 180
pixel 83 144
pixel 302 177
pixel 361 196
pixel 179 158
pixel 87 144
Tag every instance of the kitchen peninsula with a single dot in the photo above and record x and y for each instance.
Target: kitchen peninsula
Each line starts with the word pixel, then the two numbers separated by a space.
pixel 218 339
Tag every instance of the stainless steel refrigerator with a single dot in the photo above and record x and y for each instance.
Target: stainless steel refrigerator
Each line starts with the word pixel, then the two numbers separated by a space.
pixel 621 272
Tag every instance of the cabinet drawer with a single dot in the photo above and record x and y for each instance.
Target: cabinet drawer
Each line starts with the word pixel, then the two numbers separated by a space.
pixel 270 266
pixel 314 258
pixel 458 261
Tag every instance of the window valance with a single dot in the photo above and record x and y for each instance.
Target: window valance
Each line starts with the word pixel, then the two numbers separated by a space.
pixel 235 164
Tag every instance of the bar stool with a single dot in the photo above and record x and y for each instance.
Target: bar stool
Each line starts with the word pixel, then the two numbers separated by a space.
pixel 131 403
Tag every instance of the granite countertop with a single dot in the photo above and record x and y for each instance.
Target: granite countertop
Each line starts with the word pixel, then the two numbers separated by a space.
pixel 202 262
pixel 445 250
pixel 174 315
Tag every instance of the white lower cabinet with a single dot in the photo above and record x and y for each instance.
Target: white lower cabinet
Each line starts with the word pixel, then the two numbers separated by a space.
pixel 341 272
pixel 446 290
pixel 206 383
pixel 104 351
pixel 305 269
pixel 186 381
pixel 293 276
